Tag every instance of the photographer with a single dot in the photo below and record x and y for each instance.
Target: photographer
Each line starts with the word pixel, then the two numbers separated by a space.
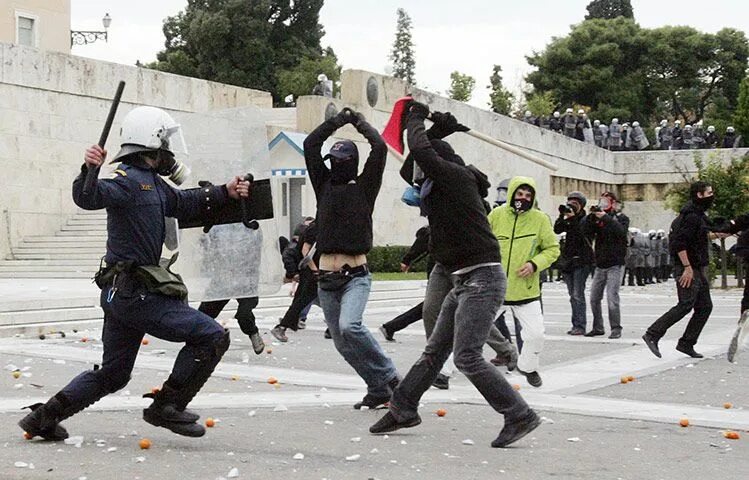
pixel 610 251
pixel 576 258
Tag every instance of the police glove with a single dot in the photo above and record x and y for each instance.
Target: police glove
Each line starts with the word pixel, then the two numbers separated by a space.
pixel 444 124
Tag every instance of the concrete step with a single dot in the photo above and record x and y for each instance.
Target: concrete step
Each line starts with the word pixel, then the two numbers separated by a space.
pixel 91 213
pixel 52 263
pixel 82 233
pixel 56 255
pixel 51 269
pixel 89 243
pixel 47 274
pixel 66 239
pixel 54 250
pixel 99 227
pixel 87 221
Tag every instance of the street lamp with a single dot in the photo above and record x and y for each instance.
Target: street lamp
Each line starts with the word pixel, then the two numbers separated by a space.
pixel 84 37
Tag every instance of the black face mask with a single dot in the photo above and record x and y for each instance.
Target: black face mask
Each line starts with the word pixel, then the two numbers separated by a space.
pixel 705 202
pixel 521 205
pixel 343 171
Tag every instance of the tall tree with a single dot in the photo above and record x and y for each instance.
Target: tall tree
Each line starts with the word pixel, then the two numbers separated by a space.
pixel 249 44
pixel 741 117
pixel 402 54
pixel 622 70
pixel 608 9
pixel 461 86
pixel 500 99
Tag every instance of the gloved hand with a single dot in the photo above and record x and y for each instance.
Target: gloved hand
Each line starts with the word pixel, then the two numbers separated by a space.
pixel 416 109
pixel 444 124
pixel 342 118
pixel 205 183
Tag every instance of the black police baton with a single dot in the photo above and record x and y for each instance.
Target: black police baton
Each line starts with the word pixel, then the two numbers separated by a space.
pixel 245 203
pixel 93 172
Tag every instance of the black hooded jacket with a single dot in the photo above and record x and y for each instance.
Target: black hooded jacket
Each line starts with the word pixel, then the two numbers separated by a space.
pixel 344 212
pixel 689 232
pixel 578 250
pixel 460 233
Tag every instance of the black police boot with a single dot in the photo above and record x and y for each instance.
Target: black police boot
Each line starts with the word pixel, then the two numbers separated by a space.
pixel 388 423
pixel 164 412
pixel 44 420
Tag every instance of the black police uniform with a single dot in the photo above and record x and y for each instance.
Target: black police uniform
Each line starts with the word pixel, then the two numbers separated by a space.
pixel 137 199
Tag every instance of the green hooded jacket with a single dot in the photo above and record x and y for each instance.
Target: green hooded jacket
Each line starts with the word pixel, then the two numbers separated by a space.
pixel 524 237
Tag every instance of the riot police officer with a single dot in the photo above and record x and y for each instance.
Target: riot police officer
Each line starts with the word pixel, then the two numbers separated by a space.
pixel 138 296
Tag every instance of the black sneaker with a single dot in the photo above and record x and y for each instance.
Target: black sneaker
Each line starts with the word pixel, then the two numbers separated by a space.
pixel 595 333
pixel 514 431
pixel 615 334
pixel 442 382
pixel 327 334
pixel 167 416
pixel 688 350
pixel 301 324
pixel 576 332
pixel 279 333
pixel 652 344
pixel 533 378
pixel 387 333
pixel 371 402
pixel 388 424
pixel 258 345
pixel 509 360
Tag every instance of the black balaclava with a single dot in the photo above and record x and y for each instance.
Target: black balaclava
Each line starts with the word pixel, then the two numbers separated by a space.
pixel 344 162
pixel 523 205
pixel 704 203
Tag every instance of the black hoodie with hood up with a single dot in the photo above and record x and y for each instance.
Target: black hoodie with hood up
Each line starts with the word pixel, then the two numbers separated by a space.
pixel 460 233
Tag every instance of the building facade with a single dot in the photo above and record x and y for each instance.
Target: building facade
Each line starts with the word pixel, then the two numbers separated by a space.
pixel 42 24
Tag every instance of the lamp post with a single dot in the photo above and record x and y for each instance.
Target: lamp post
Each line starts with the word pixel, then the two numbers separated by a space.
pixel 84 37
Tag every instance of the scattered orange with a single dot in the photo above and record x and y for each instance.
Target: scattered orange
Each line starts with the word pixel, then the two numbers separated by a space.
pixel 630 378
pixel 155 390
pixel 84 339
pixel 441 412
pixel 268 351
pixel 728 405
pixel 27 435
pixel 144 341
pixel 272 380
pixel 209 422
pixel 684 422
pixel 144 444
pixel 516 386
pixel 234 378
pixel 624 380
pixel 731 435
pixel 16 374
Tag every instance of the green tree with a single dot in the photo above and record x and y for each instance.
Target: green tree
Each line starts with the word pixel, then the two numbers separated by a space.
pixel 249 44
pixel 540 103
pixel 302 79
pixel 500 99
pixel 608 9
pixel 620 69
pixel 402 54
pixel 741 117
pixel 461 86
pixel 731 185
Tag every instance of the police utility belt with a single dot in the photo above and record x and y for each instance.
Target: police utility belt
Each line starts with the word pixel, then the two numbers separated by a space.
pixel 154 278
pixel 332 281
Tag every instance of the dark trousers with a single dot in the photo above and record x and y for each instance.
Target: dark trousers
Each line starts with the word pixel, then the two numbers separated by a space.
pixel 306 293
pixel 244 315
pixel 405 319
pixel 745 298
pixel 695 298
pixel 462 327
pixel 131 314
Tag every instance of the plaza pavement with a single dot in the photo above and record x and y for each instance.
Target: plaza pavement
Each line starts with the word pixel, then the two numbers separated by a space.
pixel 304 427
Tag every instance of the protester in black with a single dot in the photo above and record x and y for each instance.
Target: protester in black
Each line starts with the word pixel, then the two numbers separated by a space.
pixel 689 241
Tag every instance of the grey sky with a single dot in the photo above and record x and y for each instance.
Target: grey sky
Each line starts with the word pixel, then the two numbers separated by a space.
pixel 466 35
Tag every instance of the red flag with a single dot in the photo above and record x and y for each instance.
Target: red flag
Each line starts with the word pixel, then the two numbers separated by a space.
pixel 393 133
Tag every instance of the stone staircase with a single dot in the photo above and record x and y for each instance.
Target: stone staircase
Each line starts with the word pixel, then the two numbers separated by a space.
pixel 73 252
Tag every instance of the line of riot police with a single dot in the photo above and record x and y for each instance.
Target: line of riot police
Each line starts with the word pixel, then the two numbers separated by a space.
pixel 648 260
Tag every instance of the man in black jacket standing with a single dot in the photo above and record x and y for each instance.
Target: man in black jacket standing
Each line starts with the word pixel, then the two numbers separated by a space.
pixel 689 243
pixel 465 251
pixel 610 252
pixel 576 258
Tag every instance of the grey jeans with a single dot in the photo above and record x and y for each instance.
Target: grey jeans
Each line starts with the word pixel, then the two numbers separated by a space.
pixel 463 325
pixel 438 287
pixel 608 279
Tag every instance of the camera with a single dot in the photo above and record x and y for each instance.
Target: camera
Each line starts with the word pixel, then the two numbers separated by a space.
pixel 595 208
pixel 565 208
